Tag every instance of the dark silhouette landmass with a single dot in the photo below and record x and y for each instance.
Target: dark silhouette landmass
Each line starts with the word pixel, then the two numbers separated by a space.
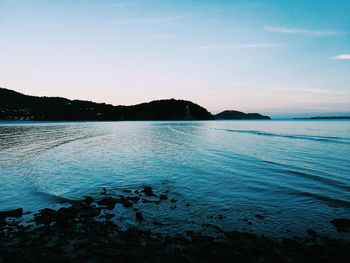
pixel 238 115
pixel 17 106
pixel 324 118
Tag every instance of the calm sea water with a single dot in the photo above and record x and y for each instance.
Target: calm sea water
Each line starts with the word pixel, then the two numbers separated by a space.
pixel 295 173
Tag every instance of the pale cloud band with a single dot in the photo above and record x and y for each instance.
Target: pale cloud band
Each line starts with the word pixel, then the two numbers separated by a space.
pixel 301 31
pixel 152 20
pixel 341 57
pixel 310 90
pixel 219 47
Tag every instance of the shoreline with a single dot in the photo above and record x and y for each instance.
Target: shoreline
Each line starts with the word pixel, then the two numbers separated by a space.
pixel 85 231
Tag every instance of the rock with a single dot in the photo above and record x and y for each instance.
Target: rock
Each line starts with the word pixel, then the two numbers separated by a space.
pixel 342 224
pixel 163 197
pixel 158 223
pixel 46 216
pixel 108 216
pixel 189 233
pixel 173 206
pixel 187 204
pixel 260 216
pixel 109 202
pixel 150 201
pixel 11 213
pixel 88 200
pixel 139 216
pixel 126 203
pixel 148 190
pixel 133 198
pixel 311 232
pixel 173 200
pixel 127 191
pixel 88 212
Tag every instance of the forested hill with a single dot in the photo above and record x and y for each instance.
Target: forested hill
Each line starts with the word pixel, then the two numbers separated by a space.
pixel 17 106
pixel 238 115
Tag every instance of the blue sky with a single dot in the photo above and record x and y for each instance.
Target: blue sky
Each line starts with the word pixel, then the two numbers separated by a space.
pixel 274 57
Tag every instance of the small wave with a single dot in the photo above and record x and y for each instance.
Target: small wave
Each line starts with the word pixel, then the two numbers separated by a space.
pixel 323 198
pixel 54 198
pixel 333 139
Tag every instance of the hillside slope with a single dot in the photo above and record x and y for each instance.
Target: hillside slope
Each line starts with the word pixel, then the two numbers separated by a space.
pixel 17 106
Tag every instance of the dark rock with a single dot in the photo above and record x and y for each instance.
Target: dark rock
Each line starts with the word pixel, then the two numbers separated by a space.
pixel 133 198
pixel 87 212
pixel 246 220
pixel 136 192
pixel 46 216
pixel 158 223
pixel 127 191
pixel 150 201
pixel 148 191
pixel 173 200
pixel 189 233
pixel 12 213
pixel 341 222
pixel 109 202
pixel 163 197
pixel 126 203
pixel 311 232
pixel 108 216
pixel 139 216
pixel 187 204
pixel 260 216
pixel 173 206
pixel 88 200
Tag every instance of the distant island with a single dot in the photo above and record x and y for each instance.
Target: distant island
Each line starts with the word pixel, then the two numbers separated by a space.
pixel 17 106
pixel 324 118
pixel 238 115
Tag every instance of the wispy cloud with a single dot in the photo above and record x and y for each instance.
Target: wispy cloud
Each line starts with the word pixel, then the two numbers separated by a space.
pixel 235 46
pixel 301 31
pixel 161 36
pixel 311 90
pixel 341 57
pixel 151 20
pixel 122 4
pixel 9 2
pixel 219 84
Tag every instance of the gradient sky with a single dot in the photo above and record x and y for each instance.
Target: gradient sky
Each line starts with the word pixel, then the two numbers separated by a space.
pixel 256 55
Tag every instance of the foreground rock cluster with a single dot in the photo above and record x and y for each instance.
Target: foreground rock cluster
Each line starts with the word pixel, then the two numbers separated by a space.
pixel 84 232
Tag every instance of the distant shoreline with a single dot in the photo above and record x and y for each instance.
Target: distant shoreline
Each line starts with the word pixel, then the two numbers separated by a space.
pixel 324 118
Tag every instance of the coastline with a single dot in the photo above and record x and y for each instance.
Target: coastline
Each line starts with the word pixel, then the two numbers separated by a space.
pixel 84 231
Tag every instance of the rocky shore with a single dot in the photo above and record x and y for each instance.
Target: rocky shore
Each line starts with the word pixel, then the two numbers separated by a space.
pixel 84 231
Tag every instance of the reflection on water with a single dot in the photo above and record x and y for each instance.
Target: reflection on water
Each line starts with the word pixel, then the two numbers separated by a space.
pixel 296 173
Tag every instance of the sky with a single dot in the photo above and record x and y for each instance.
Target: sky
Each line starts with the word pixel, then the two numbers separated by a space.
pixel 270 56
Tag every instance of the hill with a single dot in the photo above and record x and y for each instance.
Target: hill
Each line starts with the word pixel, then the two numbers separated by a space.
pixel 17 106
pixel 238 115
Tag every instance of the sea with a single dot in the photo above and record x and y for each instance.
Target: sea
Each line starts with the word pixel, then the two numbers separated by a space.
pixel 272 177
